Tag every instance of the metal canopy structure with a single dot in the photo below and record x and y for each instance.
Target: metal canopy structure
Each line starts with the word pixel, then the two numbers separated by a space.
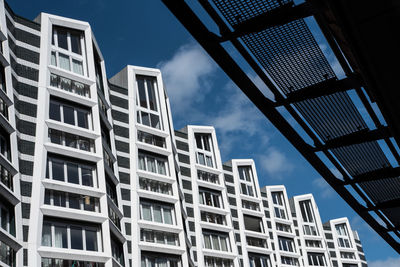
pixel 273 38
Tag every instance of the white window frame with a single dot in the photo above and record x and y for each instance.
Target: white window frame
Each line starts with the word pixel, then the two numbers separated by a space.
pixel 221 238
pixel 68 52
pixel 288 242
pixel 156 160
pixel 159 185
pixel 209 159
pixel 203 199
pixel 141 109
pixel 155 232
pixel 213 214
pixel 50 160
pixel 162 207
pixel 84 228
pixel 63 105
pixel 67 200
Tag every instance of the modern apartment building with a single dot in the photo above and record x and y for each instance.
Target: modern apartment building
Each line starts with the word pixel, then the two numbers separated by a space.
pixel 94 174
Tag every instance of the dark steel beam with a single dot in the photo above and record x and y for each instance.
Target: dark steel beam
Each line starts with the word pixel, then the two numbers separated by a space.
pixel 393 203
pixel 359 137
pixel 278 16
pixel 375 175
pixel 324 88
pixel 207 40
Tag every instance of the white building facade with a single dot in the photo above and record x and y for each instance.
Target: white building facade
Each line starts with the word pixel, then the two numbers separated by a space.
pixel 94 174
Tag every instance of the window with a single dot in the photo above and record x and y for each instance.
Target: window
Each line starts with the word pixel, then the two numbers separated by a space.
pixel 70 235
pixel 47 262
pixel 343 235
pixel 108 160
pixel 246 189
pixel 216 241
pixel 208 177
pixel 213 218
pixel 310 230
pixel 7 218
pixel 6 178
pixel 160 237
pixel 283 227
pixel 69 85
pixel 257 260
pixel 250 205
pixel 70 114
pixel 217 262
pixel 204 154
pixel 111 191
pixel 70 200
pixel 67 50
pixel 99 74
pixel 3 108
pixel 155 164
pixel 117 251
pixel 150 211
pixel 148 105
pixel 245 173
pixel 277 198
pixel 210 198
pixel 252 223
pixel 151 139
pixel 280 213
pixel 114 217
pixel 286 244
pixel 7 254
pixel 316 259
pixel 347 255
pixel 313 244
pixel 5 144
pixel 64 170
pixel 159 260
pixel 155 186
pixel 2 79
pixel 289 261
pixel 306 211
pixel 71 140
pixel 256 242
pixel 279 205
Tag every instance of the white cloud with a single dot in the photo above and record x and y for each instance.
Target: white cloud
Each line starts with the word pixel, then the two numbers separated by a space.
pixel 389 262
pixel 185 76
pixel 275 163
pixel 323 187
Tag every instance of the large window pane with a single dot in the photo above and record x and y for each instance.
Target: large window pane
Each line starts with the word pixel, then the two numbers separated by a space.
pixel 60 237
pixel 73 173
pixel 142 93
pixel 76 238
pixel 87 176
pixel 62 38
pixel 77 66
pixel 58 170
pixel 83 119
pixel 157 213
pixel 146 210
pixel 64 61
pixel 215 242
pixel 76 43
pixel 167 215
pixel 46 235
pixel 54 112
pixel 69 116
pixel 152 95
pixel 91 240
pixel 74 201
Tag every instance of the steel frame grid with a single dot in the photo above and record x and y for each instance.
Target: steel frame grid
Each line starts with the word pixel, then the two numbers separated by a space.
pixel 210 42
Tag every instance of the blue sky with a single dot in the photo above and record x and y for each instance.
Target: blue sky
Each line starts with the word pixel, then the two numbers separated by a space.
pixel 145 33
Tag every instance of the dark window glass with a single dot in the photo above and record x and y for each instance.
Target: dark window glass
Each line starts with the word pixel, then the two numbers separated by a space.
pixel 87 176
pixel 58 170
pixel 69 115
pixel 83 119
pixel 55 111
pixel 73 173
pixel 76 43
pixel 60 236
pixel 76 238
pixel 70 140
pixel 151 93
pixel 145 119
pixel 59 199
pixel 55 136
pixel 62 38
pixel 198 141
pixel 91 240
pixel 142 93
pixel 74 201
